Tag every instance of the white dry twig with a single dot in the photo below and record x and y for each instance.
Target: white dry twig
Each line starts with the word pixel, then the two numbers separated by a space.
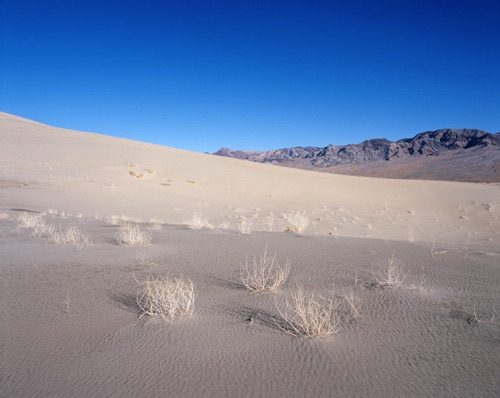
pixel 264 274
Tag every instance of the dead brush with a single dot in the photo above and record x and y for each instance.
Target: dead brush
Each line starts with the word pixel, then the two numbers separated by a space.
pixel 132 235
pixel 33 225
pixel 298 222
pixel 475 318
pixel 168 298
pixel 310 315
pixel 70 236
pixel 353 303
pixel 394 275
pixel 264 274
pixel 198 221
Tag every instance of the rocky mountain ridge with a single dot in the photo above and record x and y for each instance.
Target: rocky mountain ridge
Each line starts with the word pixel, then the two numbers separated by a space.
pixel 430 143
pixel 425 149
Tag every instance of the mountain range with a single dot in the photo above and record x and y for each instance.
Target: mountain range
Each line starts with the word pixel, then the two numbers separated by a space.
pixel 447 154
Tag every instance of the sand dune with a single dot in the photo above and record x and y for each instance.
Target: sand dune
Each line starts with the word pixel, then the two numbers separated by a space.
pixel 70 322
pixel 73 172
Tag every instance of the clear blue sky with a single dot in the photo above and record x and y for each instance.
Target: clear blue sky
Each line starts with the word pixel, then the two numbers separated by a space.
pixel 259 74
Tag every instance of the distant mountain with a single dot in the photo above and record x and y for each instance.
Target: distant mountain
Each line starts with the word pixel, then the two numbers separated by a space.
pixel 446 154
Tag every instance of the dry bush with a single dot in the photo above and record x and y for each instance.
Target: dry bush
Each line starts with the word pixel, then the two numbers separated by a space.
pixel 116 220
pixel 113 220
pixel 475 318
pixel 353 303
pixel 197 221
pixel 142 260
pixel 394 275
pixel 29 220
pixel 245 227
pixel 412 235
pixel 269 221
pixel 264 274
pixel 131 235
pixel 224 225
pixel 168 298
pixel 33 225
pixel 310 315
pixel 298 222
pixel 70 236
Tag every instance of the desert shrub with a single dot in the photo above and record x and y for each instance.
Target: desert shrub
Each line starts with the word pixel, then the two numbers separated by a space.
pixel 70 236
pixel 132 235
pixel 310 315
pixel 264 274
pixel 29 220
pixel 353 303
pixel 168 298
pixel 33 225
pixel 245 227
pixel 391 276
pixel 269 222
pixel 197 221
pixel 298 222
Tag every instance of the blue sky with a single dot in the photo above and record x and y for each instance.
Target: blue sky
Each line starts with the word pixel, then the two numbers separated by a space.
pixel 200 75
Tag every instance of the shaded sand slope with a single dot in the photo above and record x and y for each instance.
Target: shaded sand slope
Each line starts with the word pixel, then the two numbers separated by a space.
pixel 45 167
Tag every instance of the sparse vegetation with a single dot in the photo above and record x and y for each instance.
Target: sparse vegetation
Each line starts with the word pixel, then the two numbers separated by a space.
pixel 298 222
pixel 394 275
pixel 70 236
pixel 264 274
pixel 29 220
pixel 168 298
pixel 310 315
pixel 411 235
pixel 122 220
pixel 33 225
pixel 67 303
pixel 142 260
pixel 475 318
pixel 224 225
pixel 245 227
pixel 269 221
pixel 197 221
pixel 132 235
pixel 353 303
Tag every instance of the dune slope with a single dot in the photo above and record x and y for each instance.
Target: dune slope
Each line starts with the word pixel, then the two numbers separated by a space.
pixel 52 168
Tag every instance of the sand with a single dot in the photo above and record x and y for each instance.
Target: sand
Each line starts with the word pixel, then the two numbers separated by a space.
pixel 70 324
